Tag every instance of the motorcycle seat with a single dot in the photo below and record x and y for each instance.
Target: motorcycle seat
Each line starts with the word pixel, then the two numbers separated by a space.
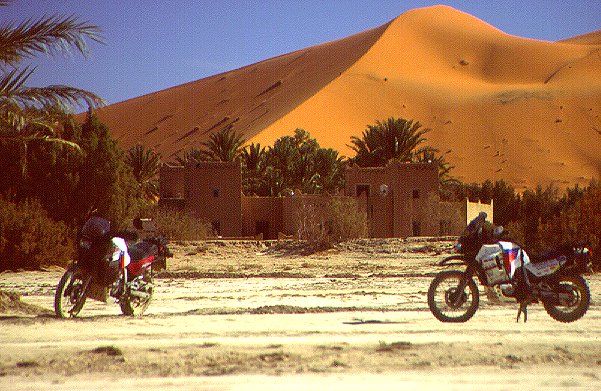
pixel 544 256
pixel 141 250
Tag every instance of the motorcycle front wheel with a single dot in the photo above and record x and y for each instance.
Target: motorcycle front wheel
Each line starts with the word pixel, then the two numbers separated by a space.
pixel 71 292
pixel 135 302
pixel 572 301
pixel 449 303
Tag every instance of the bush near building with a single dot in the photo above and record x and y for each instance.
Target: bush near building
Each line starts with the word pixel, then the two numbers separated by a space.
pixel 31 240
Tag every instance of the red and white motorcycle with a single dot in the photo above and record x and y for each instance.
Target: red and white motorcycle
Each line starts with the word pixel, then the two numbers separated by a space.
pixel 554 278
pixel 108 266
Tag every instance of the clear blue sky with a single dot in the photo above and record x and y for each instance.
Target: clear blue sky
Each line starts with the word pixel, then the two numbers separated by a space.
pixel 152 45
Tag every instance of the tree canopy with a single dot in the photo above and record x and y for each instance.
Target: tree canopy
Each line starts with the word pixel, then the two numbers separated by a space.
pixel 394 139
pixel 29 113
pixel 293 163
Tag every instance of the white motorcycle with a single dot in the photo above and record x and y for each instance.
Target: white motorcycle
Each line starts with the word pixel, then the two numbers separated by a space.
pixel 554 278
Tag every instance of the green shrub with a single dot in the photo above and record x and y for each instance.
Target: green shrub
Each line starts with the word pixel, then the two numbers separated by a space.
pixel 178 225
pixel 310 224
pixel 29 239
pixel 579 223
pixel 342 219
pixel 348 221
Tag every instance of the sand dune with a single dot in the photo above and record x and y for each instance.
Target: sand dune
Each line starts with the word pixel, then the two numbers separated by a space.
pixel 502 107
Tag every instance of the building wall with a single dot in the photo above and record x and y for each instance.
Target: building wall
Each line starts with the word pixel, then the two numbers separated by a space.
pixel 171 182
pixel 399 197
pixel 451 218
pixel 400 200
pixel 473 208
pixel 262 215
pixel 454 216
pixel 213 192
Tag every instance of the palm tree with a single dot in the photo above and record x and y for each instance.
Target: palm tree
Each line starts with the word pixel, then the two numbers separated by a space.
pixel 396 138
pixel 192 155
pixel 330 170
pixel 24 111
pixel 224 146
pixel 252 156
pixel 145 165
pixel 429 155
pixel 253 165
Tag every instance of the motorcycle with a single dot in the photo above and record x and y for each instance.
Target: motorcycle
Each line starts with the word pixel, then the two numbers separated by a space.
pixel 553 278
pixel 107 266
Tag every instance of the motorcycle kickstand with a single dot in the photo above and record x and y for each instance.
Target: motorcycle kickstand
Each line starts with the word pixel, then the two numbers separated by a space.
pixel 523 309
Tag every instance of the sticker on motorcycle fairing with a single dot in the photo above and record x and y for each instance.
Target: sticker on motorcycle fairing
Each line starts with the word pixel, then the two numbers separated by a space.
pixel 547 267
pixel 513 257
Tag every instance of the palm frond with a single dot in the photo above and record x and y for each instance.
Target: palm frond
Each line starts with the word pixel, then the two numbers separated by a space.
pixel 13 91
pixel 48 35
pixel 13 81
pixel 57 95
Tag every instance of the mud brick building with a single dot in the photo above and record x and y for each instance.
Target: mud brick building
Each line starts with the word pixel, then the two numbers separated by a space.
pixel 400 200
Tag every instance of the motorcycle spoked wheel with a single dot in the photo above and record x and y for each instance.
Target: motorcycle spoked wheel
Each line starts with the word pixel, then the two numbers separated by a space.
pixel 445 300
pixel 71 293
pixel 575 306
pixel 136 306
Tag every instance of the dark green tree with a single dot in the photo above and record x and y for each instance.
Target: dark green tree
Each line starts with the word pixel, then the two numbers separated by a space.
pixel 293 163
pixel 254 164
pixel 329 171
pixel 579 222
pixel 298 163
pixel 145 165
pixel 394 139
pixel 26 113
pixel 106 185
pixel 224 146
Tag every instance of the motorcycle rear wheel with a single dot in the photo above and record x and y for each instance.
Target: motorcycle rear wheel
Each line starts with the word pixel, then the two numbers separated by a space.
pixel 136 306
pixel 573 308
pixel 447 303
pixel 71 293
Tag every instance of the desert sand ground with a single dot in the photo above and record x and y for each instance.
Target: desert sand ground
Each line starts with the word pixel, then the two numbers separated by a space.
pixel 256 315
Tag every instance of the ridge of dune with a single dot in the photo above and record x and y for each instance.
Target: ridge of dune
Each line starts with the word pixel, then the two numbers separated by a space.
pixel 499 106
pixel 592 38
pixel 247 99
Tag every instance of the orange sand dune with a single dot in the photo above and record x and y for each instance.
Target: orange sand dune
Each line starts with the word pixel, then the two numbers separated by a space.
pixel 593 38
pixel 499 106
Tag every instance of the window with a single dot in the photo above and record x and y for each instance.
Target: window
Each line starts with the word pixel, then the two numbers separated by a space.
pixel 216 227
pixel 415 193
pixel 445 227
pixel 417 228
pixel 360 189
pixel 215 193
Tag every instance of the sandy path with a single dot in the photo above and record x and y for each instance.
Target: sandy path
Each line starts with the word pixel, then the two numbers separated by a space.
pixel 243 333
